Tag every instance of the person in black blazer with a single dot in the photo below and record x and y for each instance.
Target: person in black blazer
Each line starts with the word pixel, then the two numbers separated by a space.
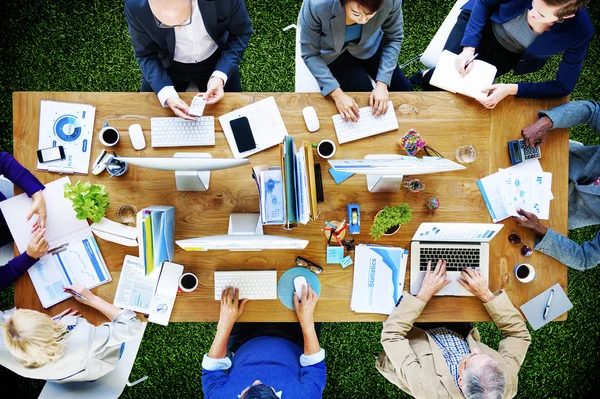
pixel 181 41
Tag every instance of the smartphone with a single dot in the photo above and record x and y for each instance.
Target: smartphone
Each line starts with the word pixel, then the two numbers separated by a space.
pixel 242 134
pixel 51 154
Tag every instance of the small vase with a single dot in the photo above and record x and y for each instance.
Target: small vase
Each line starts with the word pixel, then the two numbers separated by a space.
pixel 392 230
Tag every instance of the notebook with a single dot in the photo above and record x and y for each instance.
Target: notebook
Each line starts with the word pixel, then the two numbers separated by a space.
pixel 534 309
pixel 448 78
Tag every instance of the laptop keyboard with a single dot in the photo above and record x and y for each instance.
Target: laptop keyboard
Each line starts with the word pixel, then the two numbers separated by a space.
pixel 456 258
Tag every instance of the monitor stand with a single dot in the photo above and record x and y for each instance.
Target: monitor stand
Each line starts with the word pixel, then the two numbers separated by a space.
pixel 245 224
pixel 384 183
pixel 192 180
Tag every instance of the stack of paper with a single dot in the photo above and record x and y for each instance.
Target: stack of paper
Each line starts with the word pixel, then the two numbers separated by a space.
pixel 379 273
pixel 524 186
pixel 156 228
pixel 136 290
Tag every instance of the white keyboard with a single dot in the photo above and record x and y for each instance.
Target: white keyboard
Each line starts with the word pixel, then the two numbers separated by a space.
pixel 259 284
pixel 178 132
pixel 367 125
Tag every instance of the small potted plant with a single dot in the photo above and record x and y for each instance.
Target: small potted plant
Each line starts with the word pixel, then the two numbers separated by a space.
pixel 90 201
pixel 388 220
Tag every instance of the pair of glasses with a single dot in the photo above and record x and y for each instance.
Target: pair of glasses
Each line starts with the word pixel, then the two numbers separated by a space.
pixel 515 239
pixel 316 269
pixel 186 22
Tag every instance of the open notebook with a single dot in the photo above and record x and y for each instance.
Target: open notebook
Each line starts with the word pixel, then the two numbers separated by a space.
pixel 448 78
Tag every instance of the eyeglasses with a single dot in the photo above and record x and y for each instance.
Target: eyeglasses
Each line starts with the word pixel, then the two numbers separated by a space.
pixel 515 239
pixel 186 22
pixel 316 269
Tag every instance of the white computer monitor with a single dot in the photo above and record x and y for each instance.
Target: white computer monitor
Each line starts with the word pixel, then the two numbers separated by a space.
pixel 385 171
pixel 245 234
pixel 192 169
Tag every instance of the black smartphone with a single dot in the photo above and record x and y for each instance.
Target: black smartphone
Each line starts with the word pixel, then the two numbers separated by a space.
pixel 242 134
pixel 51 154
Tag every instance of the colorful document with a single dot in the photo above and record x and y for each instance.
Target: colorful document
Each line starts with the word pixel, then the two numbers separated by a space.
pixel 136 289
pixel 156 229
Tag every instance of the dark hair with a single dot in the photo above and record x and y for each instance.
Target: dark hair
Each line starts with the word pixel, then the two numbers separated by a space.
pixel 566 7
pixel 367 5
pixel 260 391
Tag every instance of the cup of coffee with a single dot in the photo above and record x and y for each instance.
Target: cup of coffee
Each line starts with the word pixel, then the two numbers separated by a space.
pixel 188 282
pixel 525 272
pixel 326 148
pixel 108 136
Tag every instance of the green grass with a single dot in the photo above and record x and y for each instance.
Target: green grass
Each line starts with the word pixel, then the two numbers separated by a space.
pixel 84 46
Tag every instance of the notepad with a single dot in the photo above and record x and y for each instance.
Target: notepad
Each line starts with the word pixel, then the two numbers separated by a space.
pixel 446 76
pixel 534 309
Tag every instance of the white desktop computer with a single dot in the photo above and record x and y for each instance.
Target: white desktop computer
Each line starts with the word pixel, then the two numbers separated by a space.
pixel 245 234
pixel 384 172
pixel 192 169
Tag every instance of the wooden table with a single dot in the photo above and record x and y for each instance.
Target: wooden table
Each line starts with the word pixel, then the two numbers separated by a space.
pixel 444 120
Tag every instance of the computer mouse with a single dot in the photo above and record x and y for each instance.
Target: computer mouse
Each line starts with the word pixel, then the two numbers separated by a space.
pixel 137 137
pixel 298 283
pixel 311 119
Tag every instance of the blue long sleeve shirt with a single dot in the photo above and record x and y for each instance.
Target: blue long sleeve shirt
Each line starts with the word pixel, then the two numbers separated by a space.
pixel 274 361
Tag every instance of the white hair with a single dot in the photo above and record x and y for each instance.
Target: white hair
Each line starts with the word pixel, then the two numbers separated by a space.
pixel 484 382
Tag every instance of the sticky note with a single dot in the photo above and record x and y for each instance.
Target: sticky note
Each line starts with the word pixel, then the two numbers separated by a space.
pixel 347 261
pixel 335 254
pixel 339 176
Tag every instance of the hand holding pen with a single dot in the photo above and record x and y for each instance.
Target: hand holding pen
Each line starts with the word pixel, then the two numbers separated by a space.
pixel 464 61
pixel 80 293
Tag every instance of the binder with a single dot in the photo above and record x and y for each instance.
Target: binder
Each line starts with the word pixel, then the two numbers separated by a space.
pixel 156 229
pixel 291 185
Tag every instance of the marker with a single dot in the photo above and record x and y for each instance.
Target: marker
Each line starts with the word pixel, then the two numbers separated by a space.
pixel 548 304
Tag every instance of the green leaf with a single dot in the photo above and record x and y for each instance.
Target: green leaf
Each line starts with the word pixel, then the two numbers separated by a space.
pixel 89 201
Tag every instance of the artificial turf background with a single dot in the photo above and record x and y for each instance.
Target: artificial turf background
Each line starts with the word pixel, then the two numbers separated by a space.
pixel 62 45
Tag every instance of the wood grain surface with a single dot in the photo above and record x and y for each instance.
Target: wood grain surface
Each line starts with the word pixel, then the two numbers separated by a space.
pixel 444 120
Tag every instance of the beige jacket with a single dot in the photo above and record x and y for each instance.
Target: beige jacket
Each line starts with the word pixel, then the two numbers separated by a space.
pixel 412 360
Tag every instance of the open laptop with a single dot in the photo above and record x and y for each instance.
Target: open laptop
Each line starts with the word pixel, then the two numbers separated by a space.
pixel 460 244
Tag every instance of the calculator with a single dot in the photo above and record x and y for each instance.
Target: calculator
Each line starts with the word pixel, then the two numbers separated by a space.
pixel 519 152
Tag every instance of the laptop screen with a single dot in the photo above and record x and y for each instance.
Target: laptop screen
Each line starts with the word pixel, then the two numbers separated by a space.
pixel 460 232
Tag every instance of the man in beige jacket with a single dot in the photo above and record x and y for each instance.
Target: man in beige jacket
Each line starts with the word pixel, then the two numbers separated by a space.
pixel 441 363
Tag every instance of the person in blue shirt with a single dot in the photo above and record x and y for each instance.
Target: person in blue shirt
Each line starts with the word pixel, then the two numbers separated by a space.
pixel 584 185
pixel 520 36
pixel 270 360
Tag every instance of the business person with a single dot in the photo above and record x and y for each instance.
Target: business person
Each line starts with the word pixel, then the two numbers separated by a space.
pixel 346 42
pixel 66 348
pixel 520 36
pixel 270 360
pixel 584 185
pixel 38 246
pixel 181 41
pixel 447 360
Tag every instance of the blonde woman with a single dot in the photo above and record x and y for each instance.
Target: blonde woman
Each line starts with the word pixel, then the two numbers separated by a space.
pixel 65 348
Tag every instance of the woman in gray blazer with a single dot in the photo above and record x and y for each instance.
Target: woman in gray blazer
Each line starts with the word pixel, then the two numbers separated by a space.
pixel 344 42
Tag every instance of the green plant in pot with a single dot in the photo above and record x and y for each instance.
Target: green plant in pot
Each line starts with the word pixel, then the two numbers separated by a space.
pixel 90 201
pixel 389 219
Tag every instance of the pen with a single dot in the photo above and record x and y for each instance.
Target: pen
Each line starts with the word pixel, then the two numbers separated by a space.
pixel 76 294
pixel 330 235
pixel 340 226
pixel 471 60
pixel 58 249
pixel 548 304
pixel 330 225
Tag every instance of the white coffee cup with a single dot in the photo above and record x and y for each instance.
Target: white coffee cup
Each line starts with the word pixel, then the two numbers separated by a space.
pixel 108 135
pixel 524 272
pixel 188 282
pixel 326 148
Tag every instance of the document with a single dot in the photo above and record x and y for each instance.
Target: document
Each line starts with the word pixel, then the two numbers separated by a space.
pixel 156 228
pixel 266 124
pixel 136 290
pixel 379 274
pixel 166 292
pixel 445 76
pixel 271 187
pixel 74 254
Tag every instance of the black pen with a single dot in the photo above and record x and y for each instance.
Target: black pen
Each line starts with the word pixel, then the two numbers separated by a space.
pixel 548 304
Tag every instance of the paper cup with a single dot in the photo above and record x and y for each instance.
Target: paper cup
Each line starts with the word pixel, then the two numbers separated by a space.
pixel 188 282
pixel 524 272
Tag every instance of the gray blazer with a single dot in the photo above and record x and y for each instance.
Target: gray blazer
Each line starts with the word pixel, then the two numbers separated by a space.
pixel 323 28
pixel 584 197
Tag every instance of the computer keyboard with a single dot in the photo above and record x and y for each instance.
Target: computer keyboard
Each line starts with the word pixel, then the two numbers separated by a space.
pixel 258 284
pixel 456 258
pixel 178 132
pixel 367 125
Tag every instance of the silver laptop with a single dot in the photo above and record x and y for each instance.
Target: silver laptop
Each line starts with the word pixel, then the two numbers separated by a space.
pixel 460 244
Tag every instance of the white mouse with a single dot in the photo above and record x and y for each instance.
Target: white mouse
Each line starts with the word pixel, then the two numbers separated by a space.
pixel 137 137
pixel 311 119
pixel 298 283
